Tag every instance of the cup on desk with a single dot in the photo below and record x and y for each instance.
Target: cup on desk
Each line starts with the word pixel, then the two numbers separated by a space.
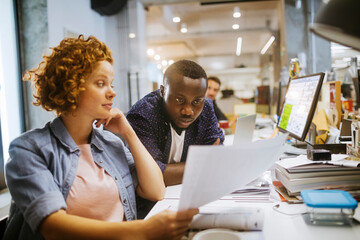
pixel 224 124
pixel 217 234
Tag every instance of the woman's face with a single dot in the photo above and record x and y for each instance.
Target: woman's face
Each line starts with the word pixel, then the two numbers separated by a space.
pixel 97 99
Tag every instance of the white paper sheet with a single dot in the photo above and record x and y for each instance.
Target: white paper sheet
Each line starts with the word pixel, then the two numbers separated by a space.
pixel 336 159
pixel 239 218
pixel 212 172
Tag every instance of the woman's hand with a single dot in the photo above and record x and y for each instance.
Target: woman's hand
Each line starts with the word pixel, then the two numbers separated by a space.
pixel 169 225
pixel 116 122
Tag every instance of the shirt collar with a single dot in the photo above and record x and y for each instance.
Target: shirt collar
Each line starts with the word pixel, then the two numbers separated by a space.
pixel 59 130
pixel 95 139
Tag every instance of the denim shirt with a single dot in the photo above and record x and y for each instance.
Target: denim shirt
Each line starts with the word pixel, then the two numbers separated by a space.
pixel 41 170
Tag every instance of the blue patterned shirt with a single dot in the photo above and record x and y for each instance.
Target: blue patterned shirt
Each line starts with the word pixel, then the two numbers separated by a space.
pixel 149 119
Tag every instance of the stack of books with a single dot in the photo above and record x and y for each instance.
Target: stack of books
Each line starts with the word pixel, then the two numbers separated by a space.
pixel 297 174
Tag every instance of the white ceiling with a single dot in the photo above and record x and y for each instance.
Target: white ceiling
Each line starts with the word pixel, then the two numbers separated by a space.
pixel 210 39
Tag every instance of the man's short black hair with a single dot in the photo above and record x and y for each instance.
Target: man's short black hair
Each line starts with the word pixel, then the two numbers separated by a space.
pixel 215 79
pixel 185 68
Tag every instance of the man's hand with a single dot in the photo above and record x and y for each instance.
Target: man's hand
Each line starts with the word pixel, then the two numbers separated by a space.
pixel 217 142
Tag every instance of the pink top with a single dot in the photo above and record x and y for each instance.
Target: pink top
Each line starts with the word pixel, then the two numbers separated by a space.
pixel 94 193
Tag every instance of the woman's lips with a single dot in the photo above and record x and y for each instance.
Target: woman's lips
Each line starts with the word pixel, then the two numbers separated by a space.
pixel 108 106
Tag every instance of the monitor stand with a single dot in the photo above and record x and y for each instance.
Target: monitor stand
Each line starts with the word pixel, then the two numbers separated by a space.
pixel 334 148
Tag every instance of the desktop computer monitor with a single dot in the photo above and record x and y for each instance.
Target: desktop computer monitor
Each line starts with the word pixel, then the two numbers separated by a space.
pixel 299 105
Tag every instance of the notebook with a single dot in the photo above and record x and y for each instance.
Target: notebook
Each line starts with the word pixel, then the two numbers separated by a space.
pixel 244 129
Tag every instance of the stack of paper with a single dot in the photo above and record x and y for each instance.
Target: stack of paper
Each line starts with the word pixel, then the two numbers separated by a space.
pixel 297 174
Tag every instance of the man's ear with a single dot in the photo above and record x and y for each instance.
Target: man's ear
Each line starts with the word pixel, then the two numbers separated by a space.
pixel 162 91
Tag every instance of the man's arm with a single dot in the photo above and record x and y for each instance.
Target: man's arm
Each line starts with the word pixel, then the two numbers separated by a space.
pixel 174 173
pixel 148 136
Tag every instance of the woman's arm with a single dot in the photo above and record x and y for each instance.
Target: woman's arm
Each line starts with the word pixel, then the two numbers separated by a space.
pixel 166 225
pixel 60 225
pixel 151 184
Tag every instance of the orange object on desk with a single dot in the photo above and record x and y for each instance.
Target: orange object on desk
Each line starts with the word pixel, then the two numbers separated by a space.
pixel 348 105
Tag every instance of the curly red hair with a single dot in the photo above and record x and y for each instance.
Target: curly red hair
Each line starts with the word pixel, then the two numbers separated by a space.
pixel 58 79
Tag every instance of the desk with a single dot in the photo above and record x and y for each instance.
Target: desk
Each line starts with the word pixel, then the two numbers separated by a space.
pixel 277 226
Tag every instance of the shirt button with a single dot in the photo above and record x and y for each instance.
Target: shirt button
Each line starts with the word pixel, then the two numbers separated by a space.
pixel 165 137
pixel 124 201
pixel 101 161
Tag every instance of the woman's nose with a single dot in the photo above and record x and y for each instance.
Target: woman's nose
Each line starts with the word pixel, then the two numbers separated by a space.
pixel 111 93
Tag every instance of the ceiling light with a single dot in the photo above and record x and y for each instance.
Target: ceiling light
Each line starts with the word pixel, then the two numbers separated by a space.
pixel 164 62
pixel 157 57
pixel 171 62
pixel 238 46
pixel 176 19
pixel 150 52
pixel 183 28
pixel 267 45
pixel 132 35
pixel 235 26
pixel 236 13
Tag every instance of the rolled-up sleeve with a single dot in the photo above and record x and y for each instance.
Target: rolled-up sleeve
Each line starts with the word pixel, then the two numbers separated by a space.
pixel 31 184
pixel 132 167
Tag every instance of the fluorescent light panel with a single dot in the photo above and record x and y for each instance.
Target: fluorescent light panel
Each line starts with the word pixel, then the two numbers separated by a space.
pixel 267 45
pixel 238 46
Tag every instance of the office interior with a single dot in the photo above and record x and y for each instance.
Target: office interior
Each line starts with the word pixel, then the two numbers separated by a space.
pixel 227 38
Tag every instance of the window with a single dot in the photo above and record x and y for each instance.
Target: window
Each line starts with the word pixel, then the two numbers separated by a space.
pixel 11 114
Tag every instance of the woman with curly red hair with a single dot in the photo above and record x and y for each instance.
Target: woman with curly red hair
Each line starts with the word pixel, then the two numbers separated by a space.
pixel 73 180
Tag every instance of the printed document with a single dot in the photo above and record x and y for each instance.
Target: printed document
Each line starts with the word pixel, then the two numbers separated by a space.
pixel 212 172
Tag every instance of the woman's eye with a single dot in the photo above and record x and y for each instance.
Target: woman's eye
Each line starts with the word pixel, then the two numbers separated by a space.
pixel 100 84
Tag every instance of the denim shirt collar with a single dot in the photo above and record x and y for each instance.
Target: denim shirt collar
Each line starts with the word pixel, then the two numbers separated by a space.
pixel 61 133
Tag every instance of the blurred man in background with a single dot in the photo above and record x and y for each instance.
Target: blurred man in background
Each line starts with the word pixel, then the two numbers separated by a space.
pixel 213 88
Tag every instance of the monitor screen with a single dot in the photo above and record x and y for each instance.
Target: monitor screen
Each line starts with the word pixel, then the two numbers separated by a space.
pixel 299 105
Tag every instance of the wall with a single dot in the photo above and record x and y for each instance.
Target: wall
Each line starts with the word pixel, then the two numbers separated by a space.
pixel 242 80
pixel 46 22
pixel 313 52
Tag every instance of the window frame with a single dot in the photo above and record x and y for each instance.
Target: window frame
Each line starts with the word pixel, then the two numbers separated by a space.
pixel 12 122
